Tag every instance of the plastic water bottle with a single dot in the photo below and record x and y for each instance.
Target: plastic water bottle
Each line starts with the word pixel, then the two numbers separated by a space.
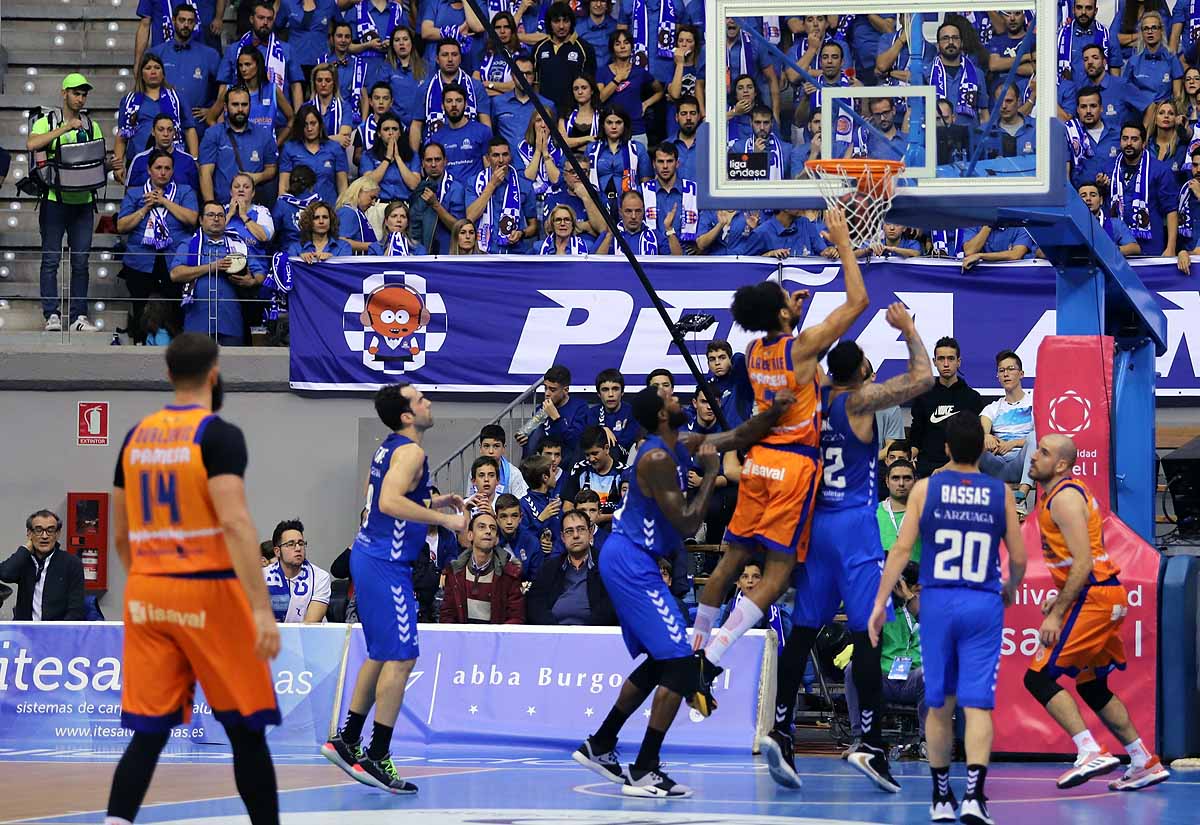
pixel 533 423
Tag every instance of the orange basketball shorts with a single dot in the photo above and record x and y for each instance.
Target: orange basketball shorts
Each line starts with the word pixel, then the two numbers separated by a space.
pixel 775 500
pixel 1090 643
pixel 178 630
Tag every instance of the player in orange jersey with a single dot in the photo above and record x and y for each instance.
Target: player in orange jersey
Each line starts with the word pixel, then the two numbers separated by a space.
pixel 779 479
pixel 196 606
pixel 1080 635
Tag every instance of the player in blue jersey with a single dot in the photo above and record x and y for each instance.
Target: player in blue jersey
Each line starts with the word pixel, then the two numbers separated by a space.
pixel 845 555
pixel 399 506
pixel 653 519
pixel 962 515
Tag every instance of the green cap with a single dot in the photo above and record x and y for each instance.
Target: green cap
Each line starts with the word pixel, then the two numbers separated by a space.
pixel 76 81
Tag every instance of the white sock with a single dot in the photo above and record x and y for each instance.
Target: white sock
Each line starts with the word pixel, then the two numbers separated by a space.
pixel 1137 753
pixel 746 614
pixel 706 616
pixel 1086 743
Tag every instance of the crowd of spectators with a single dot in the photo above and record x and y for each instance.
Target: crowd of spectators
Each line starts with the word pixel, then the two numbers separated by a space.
pixel 380 127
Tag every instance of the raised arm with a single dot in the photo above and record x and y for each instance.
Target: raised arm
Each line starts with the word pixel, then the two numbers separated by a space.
pixel 753 429
pixel 901 388
pixel 816 339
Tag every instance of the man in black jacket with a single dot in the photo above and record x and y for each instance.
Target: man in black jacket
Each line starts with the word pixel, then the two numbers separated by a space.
pixel 949 396
pixel 49 579
pixel 568 589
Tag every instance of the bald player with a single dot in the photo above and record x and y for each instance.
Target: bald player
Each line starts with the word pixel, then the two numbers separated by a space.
pixel 1080 634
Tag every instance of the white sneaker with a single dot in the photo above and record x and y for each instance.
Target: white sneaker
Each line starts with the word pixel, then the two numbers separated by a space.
pixel 82 324
pixel 974 812
pixel 54 323
pixel 1088 766
pixel 943 810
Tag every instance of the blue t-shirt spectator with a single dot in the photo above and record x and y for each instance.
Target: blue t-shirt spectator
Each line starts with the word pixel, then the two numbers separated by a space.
pixel 465 147
pixel 392 187
pixel 139 255
pixel 801 238
pixel 230 152
pixel 187 171
pixel 510 119
pixel 192 69
pixel 629 94
pixel 213 288
pixel 308 31
pixel 326 162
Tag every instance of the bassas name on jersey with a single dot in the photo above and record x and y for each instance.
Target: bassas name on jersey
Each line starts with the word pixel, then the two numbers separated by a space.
pixel 963 494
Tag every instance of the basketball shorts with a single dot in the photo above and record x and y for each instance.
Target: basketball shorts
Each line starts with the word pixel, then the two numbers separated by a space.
pixel 651 621
pixel 387 607
pixel 1090 643
pixel 178 630
pixel 776 496
pixel 961 631
pixel 844 566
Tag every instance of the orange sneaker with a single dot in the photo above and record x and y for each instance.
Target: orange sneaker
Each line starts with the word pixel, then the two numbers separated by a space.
pixel 1088 766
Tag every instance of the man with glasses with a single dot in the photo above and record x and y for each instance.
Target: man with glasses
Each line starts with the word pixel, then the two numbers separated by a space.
pixel 69 214
pixel 1008 438
pixel 957 78
pixel 49 580
pixel 299 590
pixel 512 111
pixel 881 112
pixel 1155 72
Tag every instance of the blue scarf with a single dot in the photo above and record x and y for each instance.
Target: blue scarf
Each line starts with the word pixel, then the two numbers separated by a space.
pixel 497 6
pixel 435 116
pixel 333 116
pixel 541 184
pixel 575 246
pixel 509 218
pixel 364 25
pixel 299 204
pixel 747 64
pixel 845 23
pixel 279 283
pixel 646 242
pixel 495 68
pixel 982 24
pixel 629 177
pixel 1193 22
pixel 157 233
pixel 1137 218
pixel 1185 210
pixel 690 216
pixel 814 99
pixel 639 24
pixel 279 588
pixel 397 245
pixel 366 132
pixel 947 243
pixel 131 107
pixel 276 66
pixel 365 230
pixel 968 85
pixel 166 13
pixel 1066 39
pixel 774 153
pixel 1079 142
pixel 573 118
pixel 231 243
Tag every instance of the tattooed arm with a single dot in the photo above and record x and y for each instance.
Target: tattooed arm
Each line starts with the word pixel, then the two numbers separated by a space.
pixel 905 387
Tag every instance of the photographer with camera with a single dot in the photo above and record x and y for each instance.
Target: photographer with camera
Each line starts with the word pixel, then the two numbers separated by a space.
pixel 67 188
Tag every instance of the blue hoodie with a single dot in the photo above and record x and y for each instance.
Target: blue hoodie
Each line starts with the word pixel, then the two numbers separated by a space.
pixel 620 422
pixel 735 392
pixel 532 504
pixel 523 545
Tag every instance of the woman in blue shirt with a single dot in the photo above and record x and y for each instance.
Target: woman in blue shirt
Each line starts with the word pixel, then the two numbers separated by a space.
pixel 1167 139
pixel 352 206
pixel 336 112
pixel 318 236
pixel 494 71
pixel 688 77
pixel 250 221
pixel 269 106
pixel 451 18
pixel 387 161
pixel 307 25
pixel 745 98
pixel 403 69
pixel 151 96
pixel 308 145
pixel 154 218
pixel 626 85
pixel 396 242
pixel 618 163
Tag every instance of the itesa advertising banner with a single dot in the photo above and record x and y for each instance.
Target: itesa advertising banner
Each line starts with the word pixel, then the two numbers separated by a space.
pixel 496 323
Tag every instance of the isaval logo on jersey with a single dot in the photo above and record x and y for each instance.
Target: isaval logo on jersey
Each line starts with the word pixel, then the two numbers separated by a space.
pixel 394 322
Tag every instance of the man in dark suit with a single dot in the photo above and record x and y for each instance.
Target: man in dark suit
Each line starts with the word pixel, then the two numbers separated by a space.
pixel 49 579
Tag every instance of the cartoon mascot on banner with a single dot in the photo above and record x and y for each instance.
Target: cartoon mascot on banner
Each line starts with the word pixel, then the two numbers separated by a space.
pixel 393 322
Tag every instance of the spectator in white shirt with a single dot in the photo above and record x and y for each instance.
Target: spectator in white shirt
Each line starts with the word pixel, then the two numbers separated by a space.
pixel 493 442
pixel 1008 439
pixel 299 590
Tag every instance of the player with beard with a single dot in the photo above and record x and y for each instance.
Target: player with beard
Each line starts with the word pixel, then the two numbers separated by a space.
pixel 653 519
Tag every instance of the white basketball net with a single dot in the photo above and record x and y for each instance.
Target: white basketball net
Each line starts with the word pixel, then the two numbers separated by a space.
pixel 864 194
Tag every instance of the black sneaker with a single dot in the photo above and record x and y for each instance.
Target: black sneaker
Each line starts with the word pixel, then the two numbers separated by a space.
pixel 605 763
pixel 778 747
pixel 345 755
pixel 872 762
pixel 974 811
pixel 653 784
pixel 382 774
pixel 703 701
pixel 943 809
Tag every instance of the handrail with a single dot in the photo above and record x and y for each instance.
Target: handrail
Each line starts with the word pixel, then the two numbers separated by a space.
pixel 506 413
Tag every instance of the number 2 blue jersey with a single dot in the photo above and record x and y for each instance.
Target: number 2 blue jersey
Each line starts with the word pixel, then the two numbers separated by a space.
pixel 383 536
pixel 962 525
pixel 848 463
pixel 640 519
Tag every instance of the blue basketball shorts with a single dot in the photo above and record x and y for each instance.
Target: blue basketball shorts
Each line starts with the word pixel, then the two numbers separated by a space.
pixel 651 622
pixel 844 566
pixel 387 607
pixel 961 631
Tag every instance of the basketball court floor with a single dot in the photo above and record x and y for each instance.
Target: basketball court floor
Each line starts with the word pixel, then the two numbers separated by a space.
pixel 459 786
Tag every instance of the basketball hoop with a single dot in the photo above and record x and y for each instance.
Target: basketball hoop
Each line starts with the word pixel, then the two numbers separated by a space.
pixel 862 188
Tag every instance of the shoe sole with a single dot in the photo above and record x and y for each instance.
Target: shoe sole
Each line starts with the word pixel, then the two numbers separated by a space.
pixel 646 792
pixel 861 763
pixel 945 817
pixel 1079 779
pixel 1155 779
pixel 367 779
pixel 592 766
pixel 971 819
pixel 333 756
pixel 780 770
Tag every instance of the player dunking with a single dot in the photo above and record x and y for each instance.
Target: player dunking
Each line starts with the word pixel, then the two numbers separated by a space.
pixel 1081 633
pixel 779 479
pixel 399 506
pixel 961 515
pixel 650 525
pixel 846 554
pixel 196 606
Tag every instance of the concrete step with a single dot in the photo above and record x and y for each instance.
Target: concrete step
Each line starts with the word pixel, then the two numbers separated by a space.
pixel 41 52
pixel 47 79
pixel 25 219
pixel 26 316
pixel 11 241
pixel 67 10
pixel 15 121
pixel 79 35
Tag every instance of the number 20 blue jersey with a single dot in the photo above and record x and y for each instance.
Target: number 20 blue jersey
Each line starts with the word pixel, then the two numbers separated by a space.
pixel 962 525
pixel 383 536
